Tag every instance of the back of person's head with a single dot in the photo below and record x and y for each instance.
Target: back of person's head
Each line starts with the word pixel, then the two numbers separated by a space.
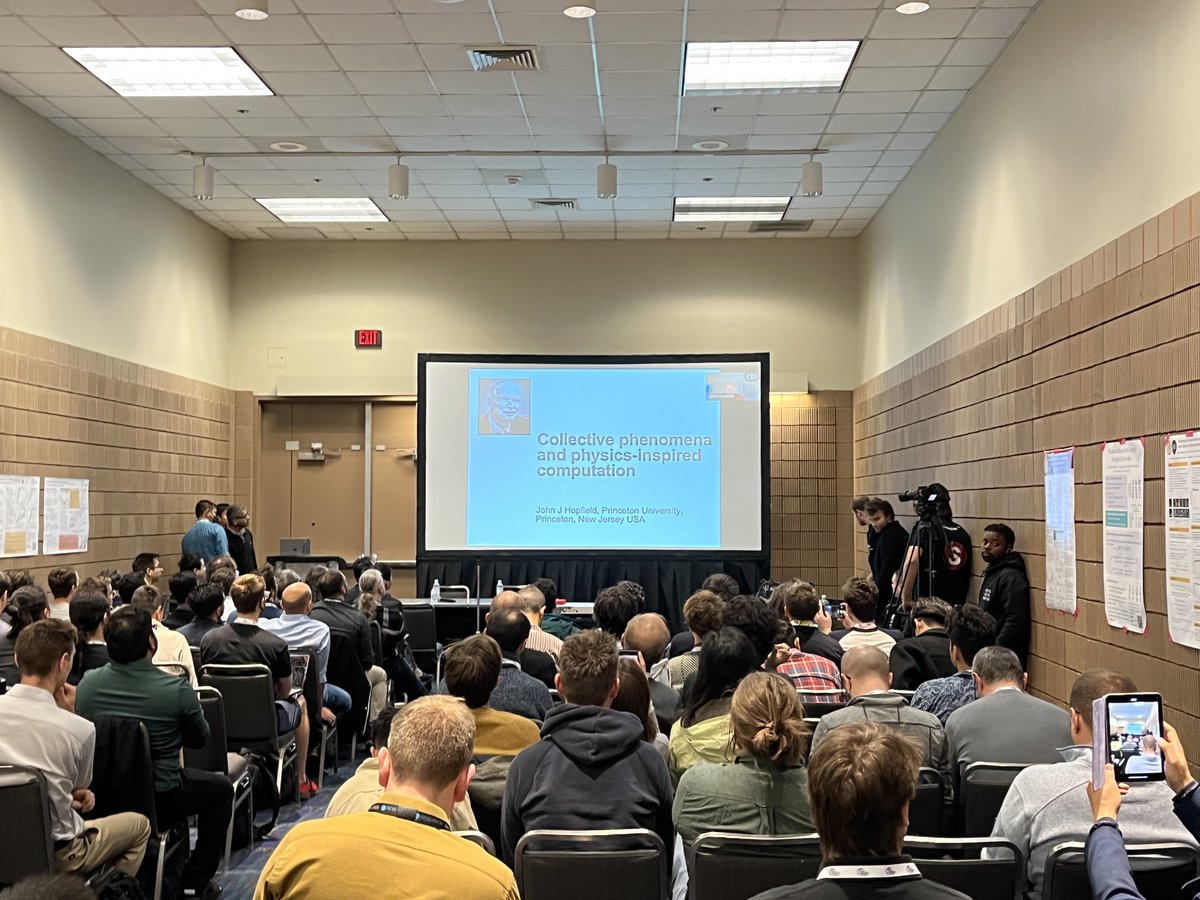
pixel 285 578
pixel 866 669
pixel 26 605
pixel 88 608
pixel 385 570
pixel 432 741
pixel 1094 684
pixel 633 696
pixel 726 657
pixel 206 600
pixel 533 601
pixel 313 579
pixel 767 719
pixel 879 505
pixel 226 562
pixel 49 887
pixel 971 629
pixel 331 584
pixel 149 598
pixel 587 667
pixel 361 565
pixel 371 582
pixel 796 601
pixel 724 586
pixel 144 561
pixel 649 634
pixel 126 584
pixel 247 593
pixel 62 581
pixel 754 618
pixel 860 596
pixel 204 507
pixel 509 628
pixel 295 598
pixel 471 669
pixel 634 590
pixel 703 613
pixel 861 778
pixel 933 611
pixel 42 645
pixel 222 511
pixel 998 665
pixel 267 574
pixel 180 585
pixel 549 591
pixel 613 609
pixel 5 584
pixel 127 634
pixel 381 728
pixel 506 600
pixel 20 578
pixel 191 562
pixel 859 503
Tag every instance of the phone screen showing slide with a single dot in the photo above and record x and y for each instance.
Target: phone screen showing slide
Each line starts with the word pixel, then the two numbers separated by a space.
pixel 1132 724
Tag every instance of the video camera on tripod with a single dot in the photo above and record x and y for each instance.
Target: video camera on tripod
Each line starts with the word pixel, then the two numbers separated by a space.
pixel 931 503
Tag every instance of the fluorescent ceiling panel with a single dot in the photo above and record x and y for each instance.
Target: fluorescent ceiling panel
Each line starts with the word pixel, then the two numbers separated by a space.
pixel 323 209
pixel 171 71
pixel 744 67
pixel 730 209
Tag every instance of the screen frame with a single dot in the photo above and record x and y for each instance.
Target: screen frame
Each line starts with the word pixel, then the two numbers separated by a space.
pixel 1111 700
pixel 762 359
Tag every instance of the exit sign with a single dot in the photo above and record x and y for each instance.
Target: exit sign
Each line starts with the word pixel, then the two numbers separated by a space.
pixel 368 338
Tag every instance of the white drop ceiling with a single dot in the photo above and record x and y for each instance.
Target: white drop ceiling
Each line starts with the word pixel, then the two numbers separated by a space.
pixel 383 75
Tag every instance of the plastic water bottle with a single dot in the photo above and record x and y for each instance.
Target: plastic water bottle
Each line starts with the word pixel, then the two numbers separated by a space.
pixel 499 587
pixel 436 594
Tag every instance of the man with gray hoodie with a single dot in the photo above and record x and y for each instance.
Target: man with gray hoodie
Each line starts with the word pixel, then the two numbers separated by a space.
pixel 591 769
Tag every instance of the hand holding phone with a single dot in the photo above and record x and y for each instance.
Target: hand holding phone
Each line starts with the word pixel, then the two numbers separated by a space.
pixel 1125 733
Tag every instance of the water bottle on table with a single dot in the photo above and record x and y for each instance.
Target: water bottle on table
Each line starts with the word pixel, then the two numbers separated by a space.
pixel 436 594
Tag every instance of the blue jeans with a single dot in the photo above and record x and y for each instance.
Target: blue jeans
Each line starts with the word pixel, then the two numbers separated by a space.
pixel 336 700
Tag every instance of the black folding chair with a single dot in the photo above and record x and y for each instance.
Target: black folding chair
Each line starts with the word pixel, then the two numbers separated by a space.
pixel 726 866
pixel 1159 870
pixel 817 710
pixel 420 621
pixel 28 845
pixel 322 735
pixel 179 670
pixel 214 756
pixel 478 837
pixel 982 787
pixel 589 863
pixel 958 863
pixel 927 810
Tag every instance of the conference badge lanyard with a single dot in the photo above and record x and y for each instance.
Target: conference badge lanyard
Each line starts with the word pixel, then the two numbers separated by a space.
pixel 410 815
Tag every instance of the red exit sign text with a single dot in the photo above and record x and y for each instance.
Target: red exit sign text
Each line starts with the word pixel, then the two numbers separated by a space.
pixel 368 338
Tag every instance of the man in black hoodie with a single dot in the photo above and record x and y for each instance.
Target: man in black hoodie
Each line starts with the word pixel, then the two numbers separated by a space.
pixel 1005 589
pixel 591 769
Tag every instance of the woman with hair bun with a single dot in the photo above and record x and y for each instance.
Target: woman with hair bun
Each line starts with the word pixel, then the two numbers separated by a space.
pixel 765 790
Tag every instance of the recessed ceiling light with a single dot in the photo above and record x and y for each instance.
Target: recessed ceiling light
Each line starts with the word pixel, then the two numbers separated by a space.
pixel 579 12
pixel 323 209
pixel 710 146
pixel 730 209
pixel 254 10
pixel 743 67
pixel 289 146
pixel 911 9
pixel 171 71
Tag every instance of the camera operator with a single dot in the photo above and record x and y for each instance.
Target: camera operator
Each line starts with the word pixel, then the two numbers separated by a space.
pixel 948 546
pixel 887 556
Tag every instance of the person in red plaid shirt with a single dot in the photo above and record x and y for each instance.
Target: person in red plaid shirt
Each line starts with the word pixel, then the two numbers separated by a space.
pixel 808 672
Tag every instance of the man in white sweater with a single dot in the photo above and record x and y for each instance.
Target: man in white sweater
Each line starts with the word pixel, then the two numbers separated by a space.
pixel 1048 804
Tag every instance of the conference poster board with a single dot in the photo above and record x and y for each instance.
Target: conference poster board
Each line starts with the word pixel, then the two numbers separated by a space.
pixel 1059 472
pixel 1123 478
pixel 65 514
pixel 1182 518
pixel 19 515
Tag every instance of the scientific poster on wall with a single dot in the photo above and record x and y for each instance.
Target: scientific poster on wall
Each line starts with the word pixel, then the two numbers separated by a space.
pixel 1060 530
pixel 1182 519
pixel 65 516
pixel 1124 479
pixel 19 515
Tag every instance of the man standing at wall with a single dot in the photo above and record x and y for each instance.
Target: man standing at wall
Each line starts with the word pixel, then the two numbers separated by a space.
pixel 1004 593
pixel 206 538
pixel 240 540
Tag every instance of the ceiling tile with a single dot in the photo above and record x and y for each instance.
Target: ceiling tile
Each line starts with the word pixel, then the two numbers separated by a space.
pixel 15 33
pixel 638 58
pixel 496 125
pixel 164 145
pixel 911 141
pixel 796 104
pixel 351 105
pixel 877 102
pixel 391 82
pixel 362 29
pixel 255 107
pixel 453 58
pixel 443 28
pixel 50 84
pixel 96 107
pixel 483 105
pixel 343 126
pixel 201 127
pixel 309 83
pixel 633 106
pixel 861 124
pixel 41 106
pixel 732 25
pixel 10 85
pixel 542 28
pixel 80 31
pixel 925 122
pixel 933 23
pixel 639 125
pixel 902 53
pixel 344 6
pixel 289 58
pixel 995 23
pixel 790 124
pixel 863 141
pixel 782 141
pixel 545 125
pixel 825 25
pixel 174 31
pixel 633 27
pixel 469 83
pixel 956 77
pixel 571 84
pixel 70 126
pixel 275 30
pixel 377 57
pixel 405 105
pixel 36 59
pixel 939 101
pixel 427 126
pixel 900 158
pixel 60 8
pixel 889 79
pixel 123 127
pixel 975 52
pixel 640 84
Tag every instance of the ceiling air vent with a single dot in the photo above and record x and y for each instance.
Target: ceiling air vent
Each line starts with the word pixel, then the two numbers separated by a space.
pixel 552 203
pixel 504 58
pixel 784 227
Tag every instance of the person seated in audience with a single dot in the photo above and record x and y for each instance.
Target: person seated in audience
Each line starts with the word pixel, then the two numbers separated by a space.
pixel 89 610
pixel 859 599
pixel 180 585
pixel 271 608
pixel 726 588
pixel 352 624
pixel 224 577
pixel 313 579
pixel 552 622
pixel 755 619
pixel 533 605
pixel 363 789
pixel 517 692
pixel 540 665
pixel 299 630
pixel 868 681
pixel 766 790
pixel 206 538
pixel 861 781
pixel 148 566
pixel 702 613
pixel 240 539
pixel 110 578
pixel 1005 724
pixel 42 732
pixel 172 647
pixel 193 563
pixel 125 586
pixel 971 629
pixel 131 686
pixel 809 673
pixel 648 634
pixel 26 605
pixel 926 655
pixel 425 769
pixel 613 609
pixel 702 732
pixel 1148 759
pixel 1004 591
pixel 5 591
pixel 207 602
pixel 592 768
pixel 798 603
pixel 634 697
pixel 471 670
pixel 245 641
pixel 371 591
pixel 359 566
pixel 1047 805
pixel 62 583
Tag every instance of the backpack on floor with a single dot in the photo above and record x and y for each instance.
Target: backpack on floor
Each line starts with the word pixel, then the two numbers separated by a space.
pixel 264 796
pixel 110 883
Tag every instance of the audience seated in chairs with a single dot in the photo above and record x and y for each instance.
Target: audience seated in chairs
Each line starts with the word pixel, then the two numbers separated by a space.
pixel 172 647
pixel 131 686
pixel 180 613
pixel 861 779
pixel 517 692
pixel 702 613
pixel 223 577
pixel 971 629
pixel 702 732
pixel 359 792
pixel 634 697
pixel 41 731
pixel 533 605
pixel 592 768
pixel 245 641
pixel 649 635
pixel 797 603
pixel 425 769
pixel 860 599
pixel 90 606
pixel 766 790
pixel 331 609
pixel 926 655
pixel 1048 805
pixel 811 674
pixel 6 589
pixel 62 583
pixel 471 670
pixel 615 606
pixel 541 666
pixel 207 602
pixel 300 631
pixel 726 588
pixel 26 606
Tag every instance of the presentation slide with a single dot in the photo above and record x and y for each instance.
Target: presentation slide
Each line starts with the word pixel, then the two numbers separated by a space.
pixel 652 455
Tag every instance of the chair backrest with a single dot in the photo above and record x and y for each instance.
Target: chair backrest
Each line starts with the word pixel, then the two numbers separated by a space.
pixel 173 668
pixel 28 845
pixel 549 864
pixel 927 809
pixel 213 756
pixel 982 789
pixel 312 686
pixel 195 658
pixel 556 698
pixel 376 641
pixel 455 592
pixel 739 866
pixel 957 863
pixel 249 694
pixel 123 769
pixel 420 621
pixel 478 837
pixel 817 710
pixel 1159 870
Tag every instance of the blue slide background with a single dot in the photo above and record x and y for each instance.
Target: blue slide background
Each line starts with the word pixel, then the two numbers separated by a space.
pixel 504 490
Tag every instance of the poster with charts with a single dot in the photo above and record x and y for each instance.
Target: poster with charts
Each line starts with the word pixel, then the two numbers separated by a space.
pixel 19 515
pixel 65 515
pixel 1060 530
pixel 1182 518
pixel 1123 479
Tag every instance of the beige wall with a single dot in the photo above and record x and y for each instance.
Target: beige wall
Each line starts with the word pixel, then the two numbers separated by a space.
pixel 1082 130
pixel 92 256
pixel 795 298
